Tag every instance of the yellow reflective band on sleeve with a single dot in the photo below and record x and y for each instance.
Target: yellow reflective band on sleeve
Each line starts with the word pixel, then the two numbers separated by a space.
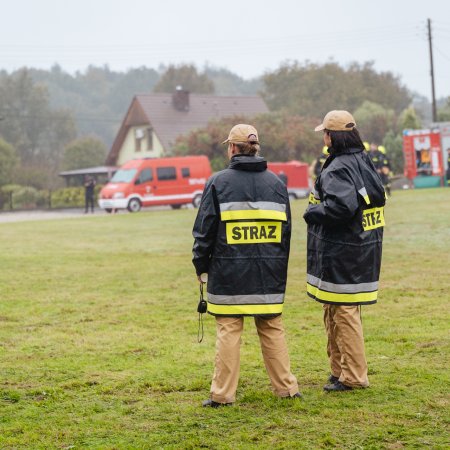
pixel 245 309
pixel 253 232
pixel 313 200
pixel 359 297
pixel 249 214
pixel 373 218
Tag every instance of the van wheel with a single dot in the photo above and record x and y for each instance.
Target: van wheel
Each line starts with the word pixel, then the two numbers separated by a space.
pixel 134 205
pixel 197 200
pixel 108 210
pixel 175 206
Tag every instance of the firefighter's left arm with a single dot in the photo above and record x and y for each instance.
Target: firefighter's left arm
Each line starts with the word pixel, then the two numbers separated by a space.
pixel 339 199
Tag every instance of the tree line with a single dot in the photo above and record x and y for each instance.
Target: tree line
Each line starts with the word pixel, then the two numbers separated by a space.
pixel 53 120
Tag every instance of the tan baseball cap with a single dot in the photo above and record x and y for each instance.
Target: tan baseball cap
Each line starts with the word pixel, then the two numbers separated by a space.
pixel 242 133
pixel 337 121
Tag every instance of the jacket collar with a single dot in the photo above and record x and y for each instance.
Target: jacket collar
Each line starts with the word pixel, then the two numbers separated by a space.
pixel 248 163
pixel 346 151
pixel 333 154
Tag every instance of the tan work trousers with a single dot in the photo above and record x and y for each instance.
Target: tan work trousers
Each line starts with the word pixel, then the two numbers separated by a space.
pixel 346 344
pixel 227 362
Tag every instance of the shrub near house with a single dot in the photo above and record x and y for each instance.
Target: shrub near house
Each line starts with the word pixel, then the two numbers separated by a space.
pixel 16 197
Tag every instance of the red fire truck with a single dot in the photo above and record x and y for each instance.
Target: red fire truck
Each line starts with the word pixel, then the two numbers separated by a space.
pixel 295 175
pixel 423 153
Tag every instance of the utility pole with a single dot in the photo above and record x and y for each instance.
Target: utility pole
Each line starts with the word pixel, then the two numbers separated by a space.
pixel 433 95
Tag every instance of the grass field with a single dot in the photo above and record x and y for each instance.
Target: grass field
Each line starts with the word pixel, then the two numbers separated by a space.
pixel 98 341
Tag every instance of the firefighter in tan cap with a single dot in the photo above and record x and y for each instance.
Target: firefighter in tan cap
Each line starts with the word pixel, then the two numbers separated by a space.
pixel 241 241
pixel 345 220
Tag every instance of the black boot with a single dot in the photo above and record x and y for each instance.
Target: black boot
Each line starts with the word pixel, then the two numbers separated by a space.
pixel 337 387
pixel 213 404
pixel 332 379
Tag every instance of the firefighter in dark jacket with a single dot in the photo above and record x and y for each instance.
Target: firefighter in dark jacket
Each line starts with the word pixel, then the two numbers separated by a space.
pixel 345 220
pixel 241 241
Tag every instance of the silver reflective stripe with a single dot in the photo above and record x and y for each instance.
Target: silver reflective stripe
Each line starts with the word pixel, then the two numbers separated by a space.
pixel 364 195
pixel 342 288
pixel 245 206
pixel 363 191
pixel 245 299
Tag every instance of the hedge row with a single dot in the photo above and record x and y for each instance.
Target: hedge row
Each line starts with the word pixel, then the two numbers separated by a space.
pixel 25 197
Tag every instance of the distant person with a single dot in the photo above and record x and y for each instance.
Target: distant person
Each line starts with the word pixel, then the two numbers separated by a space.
pixel 283 177
pixel 317 164
pixel 241 241
pixel 385 170
pixel 376 156
pixel 345 221
pixel 89 186
pixel 448 167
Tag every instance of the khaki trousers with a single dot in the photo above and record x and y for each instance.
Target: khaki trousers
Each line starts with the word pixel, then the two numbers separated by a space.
pixel 346 344
pixel 274 350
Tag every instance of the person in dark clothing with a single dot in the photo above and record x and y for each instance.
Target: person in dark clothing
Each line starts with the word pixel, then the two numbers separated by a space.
pixel 385 170
pixel 283 177
pixel 448 167
pixel 89 186
pixel 376 156
pixel 345 220
pixel 317 164
pixel 241 242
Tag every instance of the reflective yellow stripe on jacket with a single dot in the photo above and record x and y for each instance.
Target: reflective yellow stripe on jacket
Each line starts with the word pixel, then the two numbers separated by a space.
pixel 341 298
pixel 246 304
pixel 244 309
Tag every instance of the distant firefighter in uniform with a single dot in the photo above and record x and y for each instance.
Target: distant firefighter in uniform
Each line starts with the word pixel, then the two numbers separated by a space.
pixel 385 170
pixel 317 164
pixel 380 161
pixel 448 167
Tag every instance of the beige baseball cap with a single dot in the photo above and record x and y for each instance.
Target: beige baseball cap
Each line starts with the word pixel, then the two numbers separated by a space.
pixel 242 133
pixel 337 121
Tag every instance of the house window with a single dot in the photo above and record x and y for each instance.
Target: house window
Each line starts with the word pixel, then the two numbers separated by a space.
pixel 166 173
pixel 138 136
pixel 137 145
pixel 185 172
pixel 149 139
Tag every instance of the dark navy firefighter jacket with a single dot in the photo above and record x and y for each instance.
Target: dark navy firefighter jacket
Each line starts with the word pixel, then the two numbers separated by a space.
pixel 345 218
pixel 241 239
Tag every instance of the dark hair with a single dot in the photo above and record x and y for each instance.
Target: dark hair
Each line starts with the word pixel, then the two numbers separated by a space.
pixel 248 148
pixel 341 140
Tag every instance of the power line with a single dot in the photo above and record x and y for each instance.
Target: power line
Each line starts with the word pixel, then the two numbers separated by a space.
pixel 5 114
pixel 377 36
pixel 442 53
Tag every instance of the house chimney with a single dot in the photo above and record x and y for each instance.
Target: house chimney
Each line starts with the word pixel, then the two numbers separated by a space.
pixel 180 99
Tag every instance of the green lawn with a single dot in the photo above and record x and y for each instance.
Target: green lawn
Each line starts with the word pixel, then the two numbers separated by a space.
pixel 98 341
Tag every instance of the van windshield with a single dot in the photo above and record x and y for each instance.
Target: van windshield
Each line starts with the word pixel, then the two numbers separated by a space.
pixel 123 176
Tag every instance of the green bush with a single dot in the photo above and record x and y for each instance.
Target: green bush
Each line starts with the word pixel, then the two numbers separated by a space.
pixel 27 197
pixel 68 197
pixel 71 197
pixel 14 196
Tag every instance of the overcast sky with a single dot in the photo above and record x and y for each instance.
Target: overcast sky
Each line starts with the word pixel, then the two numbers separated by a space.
pixel 248 37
